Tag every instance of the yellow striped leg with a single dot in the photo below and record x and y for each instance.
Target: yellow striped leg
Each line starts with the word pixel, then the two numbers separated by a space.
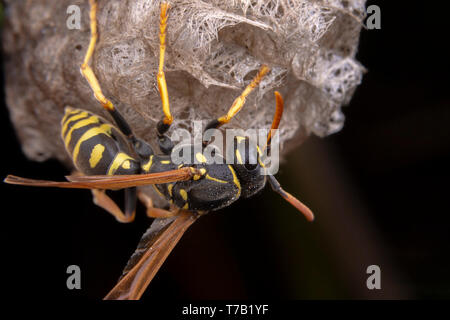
pixel 89 75
pixel 239 101
pixel 85 69
pixel 162 86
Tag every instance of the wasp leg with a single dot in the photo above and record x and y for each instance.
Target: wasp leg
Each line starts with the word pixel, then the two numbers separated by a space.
pixel 165 144
pixel 141 148
pixel 153 212
pixel 239 101
pixel 89 75
pixel 165 123
pixel 102 200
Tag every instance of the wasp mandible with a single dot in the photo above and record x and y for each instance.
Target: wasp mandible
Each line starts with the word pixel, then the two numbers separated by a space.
pixel 110 157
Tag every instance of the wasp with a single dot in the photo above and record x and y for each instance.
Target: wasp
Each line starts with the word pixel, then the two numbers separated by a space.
pixel 110 156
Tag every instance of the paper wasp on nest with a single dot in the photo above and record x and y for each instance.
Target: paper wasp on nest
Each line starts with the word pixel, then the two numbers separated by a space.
pixel 110 157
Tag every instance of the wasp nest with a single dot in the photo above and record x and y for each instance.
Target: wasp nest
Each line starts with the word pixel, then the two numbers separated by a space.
pixel 214 49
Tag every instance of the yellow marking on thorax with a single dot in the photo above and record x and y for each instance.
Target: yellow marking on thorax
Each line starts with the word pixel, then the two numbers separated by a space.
pixel 119 160
pixel 169 188
pixel 238 156
pixel 65 123
pixel 186 206
pixel 96 155
pixel 165 161
pixel 215 179
pixel 78 125
pixel 200 157
pixel 198 176
pixel 146 166
pixel 126 164
pixel 103 129
pixel 183 194
pixel 236 181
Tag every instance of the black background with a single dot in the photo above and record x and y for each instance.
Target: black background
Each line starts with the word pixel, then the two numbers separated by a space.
pixel 379 189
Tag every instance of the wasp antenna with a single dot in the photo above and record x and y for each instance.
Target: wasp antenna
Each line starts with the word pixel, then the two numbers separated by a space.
pixel 279 106
pixel 291 199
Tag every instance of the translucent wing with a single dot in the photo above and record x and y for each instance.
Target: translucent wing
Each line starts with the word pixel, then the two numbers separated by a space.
pixel 153 249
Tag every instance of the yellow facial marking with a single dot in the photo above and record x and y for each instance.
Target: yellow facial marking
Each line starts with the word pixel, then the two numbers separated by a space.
pixel 78 125
pixel 215 179
pixel 259 151
pixel 169 188
pixel 236 181
pixel 96 155
pixel 200 157
pixel 183 194
pixel 146 166
pixel 118 161
pixel 103 129
pixel 261 163
pixel 259 157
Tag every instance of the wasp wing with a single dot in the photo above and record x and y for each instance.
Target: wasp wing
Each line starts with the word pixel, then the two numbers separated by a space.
pixel 108 182
pixel 157 228
pixel 153 249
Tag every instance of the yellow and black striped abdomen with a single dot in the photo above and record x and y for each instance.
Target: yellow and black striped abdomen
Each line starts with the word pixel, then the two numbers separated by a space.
pixel 96 146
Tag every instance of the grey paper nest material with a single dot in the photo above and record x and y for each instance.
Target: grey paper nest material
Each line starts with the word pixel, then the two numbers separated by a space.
pixel 214 49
